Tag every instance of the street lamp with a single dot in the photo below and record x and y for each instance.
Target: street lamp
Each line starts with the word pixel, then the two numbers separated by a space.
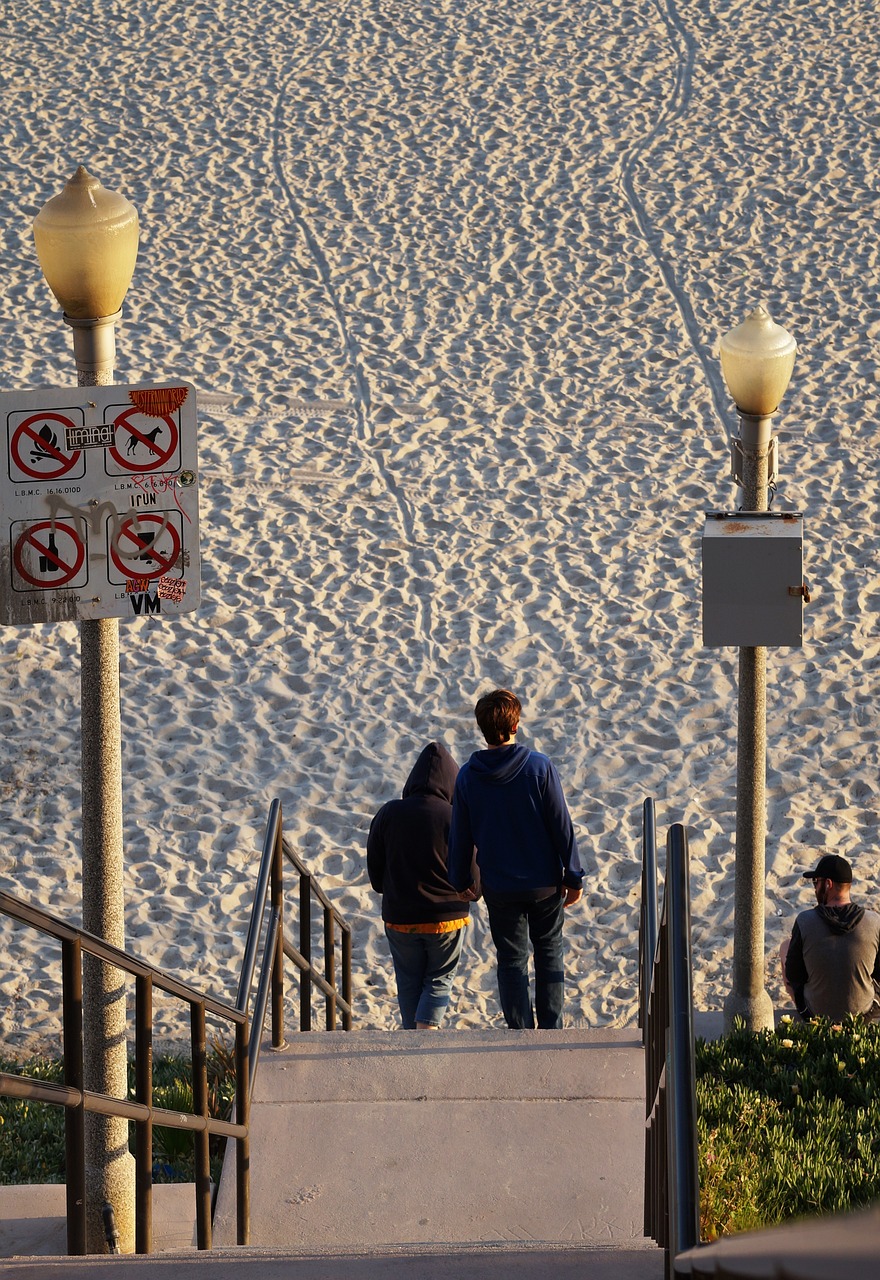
pixel 86 241
pixel 757 358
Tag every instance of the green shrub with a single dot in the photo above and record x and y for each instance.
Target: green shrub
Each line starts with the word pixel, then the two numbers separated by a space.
pixel 789 1124
pixel 32 1133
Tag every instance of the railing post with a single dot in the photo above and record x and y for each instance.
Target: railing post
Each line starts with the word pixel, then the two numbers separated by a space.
pixel 684 1227
pixel 242 1145
pixel 346 978
pixel 305 947
pixel 143 1215
pixel 330 967
pixel 201 1138
pixel 74 1117
pixel 649 912
pixel 661 980
pixel 278 962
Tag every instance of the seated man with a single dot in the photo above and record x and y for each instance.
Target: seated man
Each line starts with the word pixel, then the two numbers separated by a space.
pixel 832 963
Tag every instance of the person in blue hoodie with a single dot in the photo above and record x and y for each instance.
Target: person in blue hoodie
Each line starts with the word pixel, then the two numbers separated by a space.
pixel 424 917
pixel 508 801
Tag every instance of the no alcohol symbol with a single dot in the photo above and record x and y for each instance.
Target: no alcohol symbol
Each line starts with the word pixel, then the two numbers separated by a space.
pixel 48 553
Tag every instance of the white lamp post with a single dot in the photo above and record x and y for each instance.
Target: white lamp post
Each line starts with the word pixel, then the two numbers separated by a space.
pixel 86 241
pixel 757 358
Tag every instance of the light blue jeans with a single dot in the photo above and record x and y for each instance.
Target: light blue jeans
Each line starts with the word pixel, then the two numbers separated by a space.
pixel 424 966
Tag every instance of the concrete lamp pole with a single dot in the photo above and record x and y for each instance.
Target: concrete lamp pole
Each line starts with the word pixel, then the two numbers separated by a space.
pixel 87 241
pixel 757 358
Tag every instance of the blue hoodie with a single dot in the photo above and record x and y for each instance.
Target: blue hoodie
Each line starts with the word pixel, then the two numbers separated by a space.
pixel 508 802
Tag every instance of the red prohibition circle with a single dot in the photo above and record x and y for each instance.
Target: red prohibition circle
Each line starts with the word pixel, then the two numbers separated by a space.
pixel 69 571
pixel 160 457
pixel 25 429
pixel 126 530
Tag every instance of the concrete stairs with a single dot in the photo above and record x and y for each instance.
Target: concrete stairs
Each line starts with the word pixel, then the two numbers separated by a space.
pixel 436 1155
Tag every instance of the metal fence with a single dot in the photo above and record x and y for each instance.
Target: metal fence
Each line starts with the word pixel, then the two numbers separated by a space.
pixel 672 1193
pixel 245 1023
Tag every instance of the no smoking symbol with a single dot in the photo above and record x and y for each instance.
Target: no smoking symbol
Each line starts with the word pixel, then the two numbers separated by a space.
pixel 48 554
pixel 140 549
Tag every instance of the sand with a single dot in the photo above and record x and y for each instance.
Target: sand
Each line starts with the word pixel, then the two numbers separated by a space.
pixel 450 279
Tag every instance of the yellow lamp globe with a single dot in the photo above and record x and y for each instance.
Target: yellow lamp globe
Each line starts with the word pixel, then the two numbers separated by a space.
pixel 757 359
pixel 87 243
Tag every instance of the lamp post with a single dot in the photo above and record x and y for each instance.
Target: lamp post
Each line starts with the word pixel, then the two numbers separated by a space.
pixel 86 241
pixel 757 358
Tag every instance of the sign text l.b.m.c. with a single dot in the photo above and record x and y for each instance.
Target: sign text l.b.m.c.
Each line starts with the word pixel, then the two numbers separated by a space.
pixel 99 496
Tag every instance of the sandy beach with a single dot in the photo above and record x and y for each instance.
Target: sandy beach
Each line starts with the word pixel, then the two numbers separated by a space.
pixel 449 280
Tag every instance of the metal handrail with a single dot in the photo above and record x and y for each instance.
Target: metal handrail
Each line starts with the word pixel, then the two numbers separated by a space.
pixel 78 1100
pixel 648 925
pixel 672 1190
pixel 248 1033
pixel 270 984
pixel 335 1001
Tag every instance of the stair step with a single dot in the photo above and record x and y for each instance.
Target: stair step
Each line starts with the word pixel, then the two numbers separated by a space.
pixel 389 1139
pixel 478 1262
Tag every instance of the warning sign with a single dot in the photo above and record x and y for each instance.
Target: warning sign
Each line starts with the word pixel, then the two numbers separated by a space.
pixel 47 554
pixel 146 545
pixel 143 443
pixel 99 493
pixel 39 448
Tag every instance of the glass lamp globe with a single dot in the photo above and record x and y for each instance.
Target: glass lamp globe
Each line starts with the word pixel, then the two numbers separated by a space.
pixel 87 243
pixel 757 359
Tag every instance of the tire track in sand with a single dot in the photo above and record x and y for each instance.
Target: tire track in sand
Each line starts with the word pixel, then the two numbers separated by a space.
pixel 362 395
pixel 360 380
pixel 685 47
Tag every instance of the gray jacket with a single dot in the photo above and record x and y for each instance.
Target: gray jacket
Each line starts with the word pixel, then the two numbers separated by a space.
pixel 833 962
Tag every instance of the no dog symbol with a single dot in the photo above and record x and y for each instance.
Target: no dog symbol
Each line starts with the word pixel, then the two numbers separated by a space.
pixel 144 443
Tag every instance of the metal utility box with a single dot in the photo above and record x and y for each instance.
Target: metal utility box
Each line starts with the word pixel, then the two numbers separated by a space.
pixel 753 583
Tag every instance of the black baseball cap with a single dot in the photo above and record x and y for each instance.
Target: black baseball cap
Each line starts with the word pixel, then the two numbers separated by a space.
pixel 831 867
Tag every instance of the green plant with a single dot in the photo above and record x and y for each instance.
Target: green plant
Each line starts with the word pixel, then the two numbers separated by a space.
pixel 32 1133
pixel 789 1124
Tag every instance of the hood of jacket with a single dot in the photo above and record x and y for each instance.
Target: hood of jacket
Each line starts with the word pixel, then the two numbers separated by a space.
pixel 499 764
pixel 433 774
pixel 842 919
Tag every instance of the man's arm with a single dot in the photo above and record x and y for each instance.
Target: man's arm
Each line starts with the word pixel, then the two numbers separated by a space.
pixel 460 851
pixel 796 970
pixel 376 852
pixel 561 829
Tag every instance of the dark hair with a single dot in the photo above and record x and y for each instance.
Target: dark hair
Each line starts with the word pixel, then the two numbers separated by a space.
pixel 497 713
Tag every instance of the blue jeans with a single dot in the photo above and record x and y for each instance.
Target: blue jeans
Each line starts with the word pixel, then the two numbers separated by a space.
pixel 424 966
pixel 512 925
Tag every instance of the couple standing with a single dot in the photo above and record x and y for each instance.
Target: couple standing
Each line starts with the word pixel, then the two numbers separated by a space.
pixel 507 837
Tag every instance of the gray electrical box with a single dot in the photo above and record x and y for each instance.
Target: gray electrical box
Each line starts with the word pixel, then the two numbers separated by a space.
pixel 753 578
